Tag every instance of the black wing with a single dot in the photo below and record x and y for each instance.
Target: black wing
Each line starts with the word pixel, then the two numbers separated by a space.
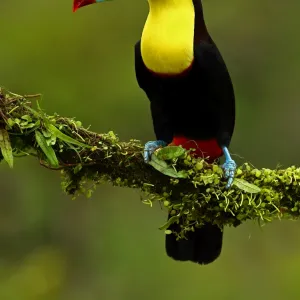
pixel 161 123
pixel 210 62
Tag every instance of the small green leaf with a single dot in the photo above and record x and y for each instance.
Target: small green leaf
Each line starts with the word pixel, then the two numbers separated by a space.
pixel 77 168
pixel 199 165
pixel 169 222
pixel 51 140
pixel 31 126
pixel 158 164
pixel 170 152
pixel 27 118
pixel 11 122
pixel 167 203
pixel 6 147
pixel 34 112
pixel 46 133
pixel 64 137
pixel 182 174
pixel 162 167
pixel 47 149
pixel 246 186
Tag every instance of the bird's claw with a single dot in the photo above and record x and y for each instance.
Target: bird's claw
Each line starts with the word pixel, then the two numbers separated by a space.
pixel 150 147
pixel 229 168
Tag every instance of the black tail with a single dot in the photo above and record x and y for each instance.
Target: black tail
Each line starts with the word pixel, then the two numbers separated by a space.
pixel 202 246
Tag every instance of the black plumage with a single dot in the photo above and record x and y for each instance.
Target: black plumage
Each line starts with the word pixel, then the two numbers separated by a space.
pixel 198 104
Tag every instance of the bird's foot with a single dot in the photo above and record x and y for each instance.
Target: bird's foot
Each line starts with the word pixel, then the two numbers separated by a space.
pixel 150 147
pixel 229 167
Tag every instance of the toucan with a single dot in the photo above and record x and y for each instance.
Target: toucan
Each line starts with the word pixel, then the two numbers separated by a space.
pixel 192 103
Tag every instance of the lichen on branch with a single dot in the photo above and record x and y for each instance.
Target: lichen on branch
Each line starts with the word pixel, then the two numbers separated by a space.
pixel 189 188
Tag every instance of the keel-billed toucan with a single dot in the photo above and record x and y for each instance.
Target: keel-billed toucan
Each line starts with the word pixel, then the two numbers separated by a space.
pixel 192 101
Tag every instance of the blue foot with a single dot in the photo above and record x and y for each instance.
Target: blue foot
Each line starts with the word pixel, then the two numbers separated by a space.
pixel 150 147
pixel 229 167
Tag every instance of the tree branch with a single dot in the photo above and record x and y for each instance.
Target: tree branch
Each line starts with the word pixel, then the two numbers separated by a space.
pixel 188 187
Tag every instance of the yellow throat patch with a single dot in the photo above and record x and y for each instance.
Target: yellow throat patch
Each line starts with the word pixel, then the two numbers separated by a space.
pixel 167 43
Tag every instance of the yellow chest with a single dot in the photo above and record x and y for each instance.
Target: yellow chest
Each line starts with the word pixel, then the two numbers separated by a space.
pixel 168 36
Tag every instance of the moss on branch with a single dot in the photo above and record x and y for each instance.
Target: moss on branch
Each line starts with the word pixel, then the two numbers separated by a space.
pixel 188 187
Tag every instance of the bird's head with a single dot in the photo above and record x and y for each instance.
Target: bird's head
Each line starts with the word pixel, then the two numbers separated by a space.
pixel 80 3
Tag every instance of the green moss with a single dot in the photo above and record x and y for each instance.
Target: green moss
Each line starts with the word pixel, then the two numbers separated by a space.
pixel 192 190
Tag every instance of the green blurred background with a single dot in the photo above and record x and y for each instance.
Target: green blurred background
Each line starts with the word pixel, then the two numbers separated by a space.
pixel 109 247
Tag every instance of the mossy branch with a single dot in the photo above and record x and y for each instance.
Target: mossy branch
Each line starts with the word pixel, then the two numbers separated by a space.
pixel 188 187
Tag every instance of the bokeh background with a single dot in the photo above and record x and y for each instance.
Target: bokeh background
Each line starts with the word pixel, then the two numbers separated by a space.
pixel 109 247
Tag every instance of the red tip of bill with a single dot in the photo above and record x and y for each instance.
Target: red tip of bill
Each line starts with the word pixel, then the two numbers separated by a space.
pixel 76 4
pixel 80 3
